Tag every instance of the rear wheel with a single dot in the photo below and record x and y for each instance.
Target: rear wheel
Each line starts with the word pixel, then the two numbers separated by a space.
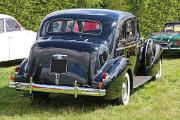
pixel 125 91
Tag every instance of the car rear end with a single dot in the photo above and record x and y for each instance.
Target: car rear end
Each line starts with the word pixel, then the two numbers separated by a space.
pixel 57 66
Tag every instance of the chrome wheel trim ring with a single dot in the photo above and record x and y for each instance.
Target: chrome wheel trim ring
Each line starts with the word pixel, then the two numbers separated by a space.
pixel 126 90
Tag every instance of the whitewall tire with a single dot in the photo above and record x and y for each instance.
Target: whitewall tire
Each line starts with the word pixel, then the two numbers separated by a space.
pixel 125 92
pixel 158 75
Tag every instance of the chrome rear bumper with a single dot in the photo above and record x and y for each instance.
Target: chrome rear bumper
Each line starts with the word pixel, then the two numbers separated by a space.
pixel 57 89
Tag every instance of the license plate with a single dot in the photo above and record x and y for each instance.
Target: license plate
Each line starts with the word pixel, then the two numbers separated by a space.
pixel 58 64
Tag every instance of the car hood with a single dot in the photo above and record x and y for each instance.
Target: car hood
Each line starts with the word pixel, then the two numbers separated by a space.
pixel 81 58
pixel 165 37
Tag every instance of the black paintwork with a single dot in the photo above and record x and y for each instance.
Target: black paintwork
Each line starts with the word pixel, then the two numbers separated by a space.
pixel 174 23
pixel 89 56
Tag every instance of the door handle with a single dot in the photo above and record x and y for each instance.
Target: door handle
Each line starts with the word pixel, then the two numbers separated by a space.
pixel 120 52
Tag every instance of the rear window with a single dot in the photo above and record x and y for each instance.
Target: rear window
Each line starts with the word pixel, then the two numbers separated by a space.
pixel 76 26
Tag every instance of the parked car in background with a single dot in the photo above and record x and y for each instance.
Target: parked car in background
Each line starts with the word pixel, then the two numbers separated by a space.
pixel 169 38
pixel 94 52
pixel 15 41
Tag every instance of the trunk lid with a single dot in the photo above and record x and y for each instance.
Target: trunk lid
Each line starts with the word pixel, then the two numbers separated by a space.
pixel 79 61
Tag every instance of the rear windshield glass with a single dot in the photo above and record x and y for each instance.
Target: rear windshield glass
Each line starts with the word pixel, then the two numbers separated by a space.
pixel 172 28
pixel 76 26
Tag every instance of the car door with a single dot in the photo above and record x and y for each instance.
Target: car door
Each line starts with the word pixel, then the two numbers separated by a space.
pixel 15 38
pixel 128 44
pixel 131 34
pixel 4 43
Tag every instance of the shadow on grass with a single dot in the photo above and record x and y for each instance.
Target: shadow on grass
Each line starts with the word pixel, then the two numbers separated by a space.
pixel 12 103
pixel 168 54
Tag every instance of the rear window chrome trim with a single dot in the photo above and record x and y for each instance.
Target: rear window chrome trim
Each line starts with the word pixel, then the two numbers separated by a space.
pixel 49 22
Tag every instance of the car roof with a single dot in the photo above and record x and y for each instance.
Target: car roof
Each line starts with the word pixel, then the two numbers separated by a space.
pixel 172 23
pixel 5 16
pixel 93 12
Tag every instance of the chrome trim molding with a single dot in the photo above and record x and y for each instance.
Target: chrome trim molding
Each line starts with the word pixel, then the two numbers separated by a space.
pixel 57 89
pixel 165 48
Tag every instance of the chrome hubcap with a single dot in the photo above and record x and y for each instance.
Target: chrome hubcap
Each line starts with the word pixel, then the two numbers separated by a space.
pixel 124 91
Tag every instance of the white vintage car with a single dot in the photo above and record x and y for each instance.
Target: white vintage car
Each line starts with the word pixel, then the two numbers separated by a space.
pixel 15 41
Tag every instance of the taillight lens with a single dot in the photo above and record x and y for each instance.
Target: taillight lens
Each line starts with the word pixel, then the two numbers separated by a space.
pixel 12 78
pixel 17 69
pixel 178 42
pixel 104 76
pixel 100 85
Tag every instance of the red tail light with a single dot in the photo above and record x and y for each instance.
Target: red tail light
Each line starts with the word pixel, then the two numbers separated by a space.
pixel 178 42
pixel 100 85
pixel 17 69
pixel 12 78
pixel 104 76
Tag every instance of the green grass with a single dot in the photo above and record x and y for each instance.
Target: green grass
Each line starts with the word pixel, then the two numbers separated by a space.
pixel 156 100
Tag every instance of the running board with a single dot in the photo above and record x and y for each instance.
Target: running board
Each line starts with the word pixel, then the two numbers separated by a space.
pixel 139 80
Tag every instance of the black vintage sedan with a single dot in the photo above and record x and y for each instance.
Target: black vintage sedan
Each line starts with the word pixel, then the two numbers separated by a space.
pixel 93 52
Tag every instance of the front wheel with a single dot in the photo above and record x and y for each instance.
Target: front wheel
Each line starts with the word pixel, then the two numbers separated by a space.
pixel 125 91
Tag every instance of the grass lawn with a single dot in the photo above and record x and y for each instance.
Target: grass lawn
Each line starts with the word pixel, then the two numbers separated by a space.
pixel 156 100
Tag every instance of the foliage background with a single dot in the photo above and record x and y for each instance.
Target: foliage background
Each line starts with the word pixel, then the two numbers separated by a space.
pixel 152 14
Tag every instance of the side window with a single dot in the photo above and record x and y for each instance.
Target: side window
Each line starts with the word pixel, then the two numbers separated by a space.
pixel 130 31
pixel 127 32
pixel 1 26
pixel 137 29
pixel 121 35
pixel 12 25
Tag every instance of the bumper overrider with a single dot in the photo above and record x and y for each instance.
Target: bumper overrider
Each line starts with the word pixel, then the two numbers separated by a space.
pixel 57 89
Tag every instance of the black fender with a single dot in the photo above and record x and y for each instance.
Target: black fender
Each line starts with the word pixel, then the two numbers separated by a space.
pixel 153 68
pixel 151 54
pixel 143 56
pixel 158 54
pixel 23 66
pixel 20 76
pixel 116 69
pixel 103 55
pixel 147 54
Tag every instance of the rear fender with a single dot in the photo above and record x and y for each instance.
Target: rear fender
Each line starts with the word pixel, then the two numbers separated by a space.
pixel 22 66
pixel 116 69
pixel 20 75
